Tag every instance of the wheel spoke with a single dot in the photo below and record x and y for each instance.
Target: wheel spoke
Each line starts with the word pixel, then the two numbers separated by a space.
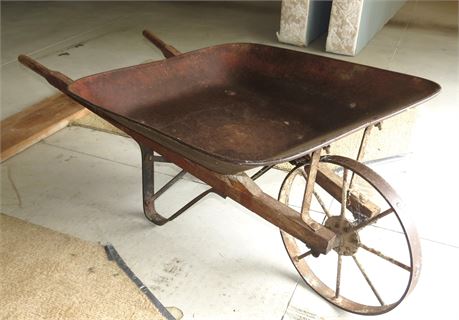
pixel 370 221
pixel 338 276
pixel 362 270
pixel 301 256
pixel 344 193
pixel 303 173
pixel 381 255
pixel 322 204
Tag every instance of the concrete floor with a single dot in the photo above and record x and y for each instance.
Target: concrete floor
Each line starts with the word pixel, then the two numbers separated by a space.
pixel 219 260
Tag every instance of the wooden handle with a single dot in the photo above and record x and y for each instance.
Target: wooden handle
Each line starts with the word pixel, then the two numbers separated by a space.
pixel 55 78
pixel 167 50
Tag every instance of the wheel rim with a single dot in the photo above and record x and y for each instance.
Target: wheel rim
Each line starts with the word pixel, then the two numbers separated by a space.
pixel 352 249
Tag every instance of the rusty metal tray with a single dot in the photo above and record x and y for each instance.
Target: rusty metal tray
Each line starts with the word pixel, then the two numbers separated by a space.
pixel 236 106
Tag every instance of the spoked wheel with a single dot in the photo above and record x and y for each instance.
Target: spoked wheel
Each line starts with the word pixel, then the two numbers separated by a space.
pixel 377 259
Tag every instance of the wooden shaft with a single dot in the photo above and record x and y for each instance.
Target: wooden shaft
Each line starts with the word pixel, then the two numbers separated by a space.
pixel 332 183
pixel 167 50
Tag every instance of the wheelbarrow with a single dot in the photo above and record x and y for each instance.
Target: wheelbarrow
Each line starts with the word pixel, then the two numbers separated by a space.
pixel 221 111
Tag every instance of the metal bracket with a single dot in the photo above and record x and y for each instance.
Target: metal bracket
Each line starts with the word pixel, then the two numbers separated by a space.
pixel 311 180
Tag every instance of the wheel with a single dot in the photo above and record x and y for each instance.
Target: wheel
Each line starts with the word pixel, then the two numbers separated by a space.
pixel 377 260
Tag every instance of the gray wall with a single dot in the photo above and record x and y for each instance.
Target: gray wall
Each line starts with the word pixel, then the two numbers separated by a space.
pixel 375 14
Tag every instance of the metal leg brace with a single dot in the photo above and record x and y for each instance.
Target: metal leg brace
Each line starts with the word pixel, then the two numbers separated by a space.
pixel 149 194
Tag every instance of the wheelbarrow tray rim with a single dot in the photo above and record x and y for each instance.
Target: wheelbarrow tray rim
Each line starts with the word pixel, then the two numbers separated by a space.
pixel 237 164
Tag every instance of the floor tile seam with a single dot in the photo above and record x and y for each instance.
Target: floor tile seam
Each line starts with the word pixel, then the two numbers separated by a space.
pixel 114 161
pixel 421 238
pixel 399 42
pixel 87 154
pixel 290 300
pixel 67 39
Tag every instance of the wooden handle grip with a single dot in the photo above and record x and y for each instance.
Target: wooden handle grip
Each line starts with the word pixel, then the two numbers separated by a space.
pixel 55 78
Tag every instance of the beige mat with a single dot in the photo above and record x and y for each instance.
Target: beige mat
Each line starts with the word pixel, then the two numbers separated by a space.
pixel 49 275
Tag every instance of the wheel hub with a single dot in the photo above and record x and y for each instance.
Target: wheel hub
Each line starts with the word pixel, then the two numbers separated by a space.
pixel 348 241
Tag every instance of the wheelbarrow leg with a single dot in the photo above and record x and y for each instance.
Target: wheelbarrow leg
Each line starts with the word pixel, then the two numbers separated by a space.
pixel 148 187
